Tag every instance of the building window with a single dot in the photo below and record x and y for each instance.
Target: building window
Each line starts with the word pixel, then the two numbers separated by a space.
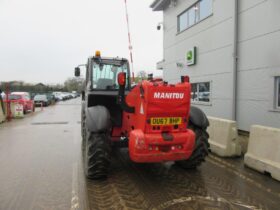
pixel 200 92
pixel 199 11
pixel 278 92
pixel 192 16
pixel 205 9
pixel 183 22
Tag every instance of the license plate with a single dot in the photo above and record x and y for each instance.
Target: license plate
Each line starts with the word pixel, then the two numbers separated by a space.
pixel 166 121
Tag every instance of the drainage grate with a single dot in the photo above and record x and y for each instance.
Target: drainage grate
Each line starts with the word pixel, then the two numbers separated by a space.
pixel 49 123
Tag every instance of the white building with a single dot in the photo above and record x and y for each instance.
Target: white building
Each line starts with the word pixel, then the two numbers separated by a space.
pixel 231 51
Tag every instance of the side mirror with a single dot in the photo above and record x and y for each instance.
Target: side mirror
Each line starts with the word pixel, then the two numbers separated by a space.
pixel 121 79
pixel 77 72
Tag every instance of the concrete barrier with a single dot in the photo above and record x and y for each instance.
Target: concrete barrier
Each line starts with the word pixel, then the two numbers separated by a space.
pixel 223 137
pixel 264 150
pixel 17 110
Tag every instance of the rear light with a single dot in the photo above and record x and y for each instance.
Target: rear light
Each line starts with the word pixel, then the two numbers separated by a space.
pixel 164 148
pixel 121 79
pixel 185 79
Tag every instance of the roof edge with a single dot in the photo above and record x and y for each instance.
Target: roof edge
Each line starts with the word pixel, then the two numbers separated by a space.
pixel 159 5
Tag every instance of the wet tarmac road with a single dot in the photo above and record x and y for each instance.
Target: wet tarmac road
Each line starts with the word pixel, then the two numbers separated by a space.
pixel 40 157
pixel 217 184
pixel 40 168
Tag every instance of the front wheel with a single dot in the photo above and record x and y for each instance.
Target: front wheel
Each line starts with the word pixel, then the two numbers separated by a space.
pixel 97 155
pixel 201 149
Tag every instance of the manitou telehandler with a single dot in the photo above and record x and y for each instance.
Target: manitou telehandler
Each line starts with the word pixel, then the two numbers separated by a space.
pixel 154 119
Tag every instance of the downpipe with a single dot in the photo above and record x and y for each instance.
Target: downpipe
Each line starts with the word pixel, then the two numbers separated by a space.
pixel 235 60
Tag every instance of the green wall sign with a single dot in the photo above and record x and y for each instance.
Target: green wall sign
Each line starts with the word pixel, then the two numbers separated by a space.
pixel 191 56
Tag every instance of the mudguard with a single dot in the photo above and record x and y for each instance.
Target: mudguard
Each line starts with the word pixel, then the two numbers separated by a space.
pixel 97 119
pixel 198 118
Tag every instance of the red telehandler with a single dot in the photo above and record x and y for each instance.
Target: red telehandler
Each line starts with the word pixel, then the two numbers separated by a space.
pixel 154 119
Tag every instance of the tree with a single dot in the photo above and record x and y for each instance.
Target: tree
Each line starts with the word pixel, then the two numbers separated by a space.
pixel 141 75
pixel 74 84
pixel 29 87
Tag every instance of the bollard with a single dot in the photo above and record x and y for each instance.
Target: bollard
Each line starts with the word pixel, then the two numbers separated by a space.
pixel 9 112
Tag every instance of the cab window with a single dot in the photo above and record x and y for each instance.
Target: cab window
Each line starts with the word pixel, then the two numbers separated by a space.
pixel 105 74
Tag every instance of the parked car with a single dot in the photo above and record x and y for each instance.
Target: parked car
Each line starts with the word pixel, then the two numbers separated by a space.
pixel 75 94
pixel 51 98
pixel 22 98
pixel 41 99
pixel 67 95
pixel 58 96
pixel 62 96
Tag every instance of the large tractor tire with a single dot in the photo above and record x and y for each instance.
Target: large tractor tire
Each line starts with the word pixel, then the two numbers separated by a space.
pixel 97 155
pixel 200 151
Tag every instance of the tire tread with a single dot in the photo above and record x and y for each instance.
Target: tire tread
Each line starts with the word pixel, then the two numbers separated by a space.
pixel 97 155
pixel 201 149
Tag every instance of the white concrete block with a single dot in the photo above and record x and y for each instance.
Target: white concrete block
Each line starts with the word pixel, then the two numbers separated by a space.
pixel 17 110
pixel 223 137
pixel 264 150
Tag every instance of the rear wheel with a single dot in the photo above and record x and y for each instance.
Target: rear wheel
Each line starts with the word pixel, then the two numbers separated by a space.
pixel 200 151
pixel 97 155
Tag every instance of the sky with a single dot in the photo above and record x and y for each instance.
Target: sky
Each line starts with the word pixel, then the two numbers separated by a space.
pixel 43 40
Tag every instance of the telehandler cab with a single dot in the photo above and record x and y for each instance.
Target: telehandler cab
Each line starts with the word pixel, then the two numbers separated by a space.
pixel 153 119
